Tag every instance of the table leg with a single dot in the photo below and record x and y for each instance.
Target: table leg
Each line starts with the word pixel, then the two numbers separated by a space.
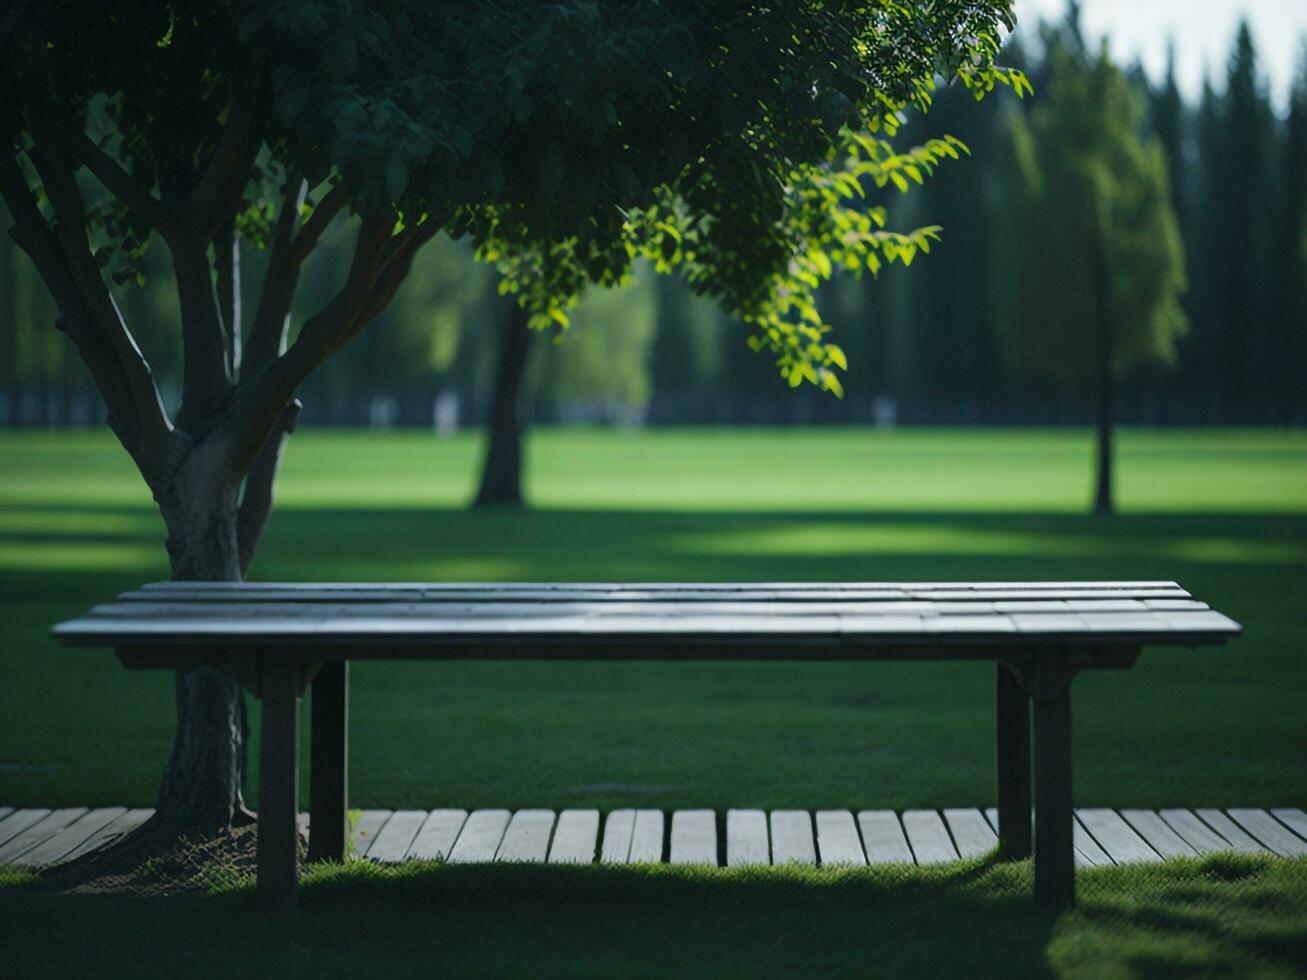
pixel 278 840
pixel 329 764
pixel 1054 845
pixel 1013 750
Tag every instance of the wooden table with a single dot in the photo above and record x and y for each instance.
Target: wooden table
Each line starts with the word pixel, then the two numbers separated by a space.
pixel 276 638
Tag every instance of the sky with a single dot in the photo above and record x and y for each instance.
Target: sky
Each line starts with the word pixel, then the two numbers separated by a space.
pixel 1203 31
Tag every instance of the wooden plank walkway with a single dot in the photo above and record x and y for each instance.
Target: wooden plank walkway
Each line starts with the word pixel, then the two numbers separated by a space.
pixel 35 837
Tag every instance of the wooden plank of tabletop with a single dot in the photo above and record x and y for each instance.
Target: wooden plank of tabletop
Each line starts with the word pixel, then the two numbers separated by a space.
pixel 1158 833
pixel 111 833
pixel 1237 837
pixel 544 633
pixel 479 839
pixel 620 588
pixel 1269 831
pixel 972 835
pixel 694 837
pixel 58 846
pixel 618 828
pixel 791 838
pixel 928 837
pixel 1115 836
pixel 746 838
pixel 575 837
pixel 393 841
pixel 837 839
pixel 647 837
pixel 527 837
pixel 39 832
pixel 435 838
pixel 1195 833
pixel 1292 818
pixel 808 613
pixel 883 838
pixel 4 812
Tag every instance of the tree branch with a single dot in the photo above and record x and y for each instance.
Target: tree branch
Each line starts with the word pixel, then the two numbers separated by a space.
pixel 330 206
pixel 227 262
pixel 258 402
pixel 209 201
pixel 122 185
pixel 95 326
pixel 271 324
pixel 206 373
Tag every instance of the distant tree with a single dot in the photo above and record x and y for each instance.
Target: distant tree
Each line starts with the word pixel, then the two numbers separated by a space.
pixel 1288 220
pixel 1231 268
pixel 722 139
pixel 1101 265
pixel 1167 119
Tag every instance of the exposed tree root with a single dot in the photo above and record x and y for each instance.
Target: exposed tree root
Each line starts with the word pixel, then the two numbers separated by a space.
pixel 160 858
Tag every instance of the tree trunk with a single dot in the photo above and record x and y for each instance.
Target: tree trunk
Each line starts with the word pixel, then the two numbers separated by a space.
pixel 501 476
pixel 1104 384
pixel 201 789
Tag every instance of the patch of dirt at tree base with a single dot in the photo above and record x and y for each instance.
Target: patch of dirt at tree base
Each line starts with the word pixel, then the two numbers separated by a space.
pixel 188 866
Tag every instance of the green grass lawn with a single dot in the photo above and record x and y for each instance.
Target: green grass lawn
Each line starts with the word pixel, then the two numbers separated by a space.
pixel 1223 513
pixel 1224 917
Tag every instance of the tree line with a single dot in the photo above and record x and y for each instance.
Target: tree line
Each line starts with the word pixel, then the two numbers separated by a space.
pixel 940 341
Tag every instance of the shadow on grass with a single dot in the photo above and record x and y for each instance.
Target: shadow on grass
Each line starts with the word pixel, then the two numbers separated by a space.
pixel 1180 919
pixel 389 543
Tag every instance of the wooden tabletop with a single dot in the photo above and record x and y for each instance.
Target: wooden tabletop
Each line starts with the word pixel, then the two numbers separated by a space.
pixel 653 619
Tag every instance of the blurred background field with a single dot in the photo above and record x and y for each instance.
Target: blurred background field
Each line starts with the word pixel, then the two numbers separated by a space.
pixel 1223 512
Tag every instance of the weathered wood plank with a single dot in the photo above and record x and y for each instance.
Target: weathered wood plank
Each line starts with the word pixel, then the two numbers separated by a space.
pixel 928 837
pixel 972 835
pixel 5 811
pixel 746 838
pixel 791 838
pixel 365 830
pixel 1115 836
pixel 1236 836
pixel 1292 818
pixel 393 841
pixel 527 838
pixel 478 841
pixel 111 833
pixel 39 832
pixel 607 621
pixel 694 837
pixel 618 829
pixel 837 839
pixel 435 838
pixel 647 837
pixel 1159 834
pixel 883 838
pixel 20 820
pixel 1088 853
pixel 1269 831
pixel 575 837
pixel 57 847
pixel 1202 838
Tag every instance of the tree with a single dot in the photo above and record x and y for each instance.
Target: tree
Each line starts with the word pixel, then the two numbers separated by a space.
pixel 1101 265
pixel 1231 302
pixel 1288 315
pixel 564 139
